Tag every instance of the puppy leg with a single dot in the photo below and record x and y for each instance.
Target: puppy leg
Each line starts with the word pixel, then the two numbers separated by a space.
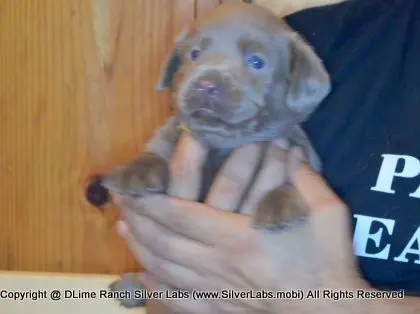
pixel 280 208
pixel 283 206
pixel 125 291
pixel 148 174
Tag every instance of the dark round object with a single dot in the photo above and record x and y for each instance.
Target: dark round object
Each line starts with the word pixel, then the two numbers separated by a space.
pixel 96 194
pixel 195 53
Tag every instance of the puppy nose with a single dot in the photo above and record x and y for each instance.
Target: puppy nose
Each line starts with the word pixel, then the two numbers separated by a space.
pixel 207 86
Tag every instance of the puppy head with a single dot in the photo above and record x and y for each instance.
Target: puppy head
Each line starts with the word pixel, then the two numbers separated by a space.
pixel 241 74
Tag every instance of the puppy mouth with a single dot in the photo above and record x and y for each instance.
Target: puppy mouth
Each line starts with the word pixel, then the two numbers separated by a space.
pixel 208 120
pixel 207 116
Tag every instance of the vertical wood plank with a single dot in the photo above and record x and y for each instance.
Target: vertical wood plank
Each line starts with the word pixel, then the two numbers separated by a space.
pixel 284 7
pixel 77 94
pixel 231 1
pixel 204 5
pixel 183 14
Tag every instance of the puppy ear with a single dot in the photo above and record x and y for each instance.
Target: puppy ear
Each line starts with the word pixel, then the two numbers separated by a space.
pixel 309 81
pixel 172 63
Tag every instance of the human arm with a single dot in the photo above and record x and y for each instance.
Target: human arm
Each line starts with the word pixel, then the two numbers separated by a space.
pixel 191 246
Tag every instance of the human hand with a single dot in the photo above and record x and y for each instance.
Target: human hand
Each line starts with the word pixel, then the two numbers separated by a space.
pixel 193 247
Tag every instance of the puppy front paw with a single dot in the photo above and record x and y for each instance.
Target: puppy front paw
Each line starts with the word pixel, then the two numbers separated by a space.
pixel 127 291
pixel 149 174
pixel 280 208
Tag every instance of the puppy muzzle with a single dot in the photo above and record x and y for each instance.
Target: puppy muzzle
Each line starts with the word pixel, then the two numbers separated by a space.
pixel 211 95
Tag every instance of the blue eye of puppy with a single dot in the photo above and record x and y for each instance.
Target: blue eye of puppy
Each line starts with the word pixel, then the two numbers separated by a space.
pixel 256 62
pixel 195 54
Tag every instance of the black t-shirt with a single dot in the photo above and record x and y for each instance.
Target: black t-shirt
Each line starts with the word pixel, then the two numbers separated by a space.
pixel 367 130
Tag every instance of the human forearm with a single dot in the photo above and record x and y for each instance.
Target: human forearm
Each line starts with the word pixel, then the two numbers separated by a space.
pixel 345 296
pixel 372 300
pixel 407 305
pixel 369 300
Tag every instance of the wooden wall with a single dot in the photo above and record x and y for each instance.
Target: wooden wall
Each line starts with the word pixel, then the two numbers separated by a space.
pixel 77 95
pixel 283 7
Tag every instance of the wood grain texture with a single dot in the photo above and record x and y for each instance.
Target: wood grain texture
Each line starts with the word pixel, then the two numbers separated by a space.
pixel 284 7
pixel 203 5
pixel 185 15
pixel 77 97
pixel 233 1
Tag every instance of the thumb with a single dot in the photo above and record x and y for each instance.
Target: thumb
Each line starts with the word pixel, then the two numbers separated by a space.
pixel 185 168
pixel 329 220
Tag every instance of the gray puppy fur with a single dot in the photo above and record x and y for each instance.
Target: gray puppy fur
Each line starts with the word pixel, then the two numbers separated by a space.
pixel 238 75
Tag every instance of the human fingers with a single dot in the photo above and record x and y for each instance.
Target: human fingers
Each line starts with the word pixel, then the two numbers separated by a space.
pixel 234 177
pixel 192 220
pixel 271 175
pixel 185 168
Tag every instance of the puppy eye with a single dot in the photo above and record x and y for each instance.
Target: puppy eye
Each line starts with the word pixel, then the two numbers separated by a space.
pixel 256 62
pixel 195 53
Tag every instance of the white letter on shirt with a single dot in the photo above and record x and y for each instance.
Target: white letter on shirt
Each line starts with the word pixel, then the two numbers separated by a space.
pixel 362 235
pixel 415 194
pixel 388 171
pixel 409 249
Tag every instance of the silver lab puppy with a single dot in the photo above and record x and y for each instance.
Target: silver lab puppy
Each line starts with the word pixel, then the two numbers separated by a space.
pixel 238 75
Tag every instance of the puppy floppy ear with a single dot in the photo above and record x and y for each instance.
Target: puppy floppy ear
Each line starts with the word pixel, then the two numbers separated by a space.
pixel 172 63
pixel 309 81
